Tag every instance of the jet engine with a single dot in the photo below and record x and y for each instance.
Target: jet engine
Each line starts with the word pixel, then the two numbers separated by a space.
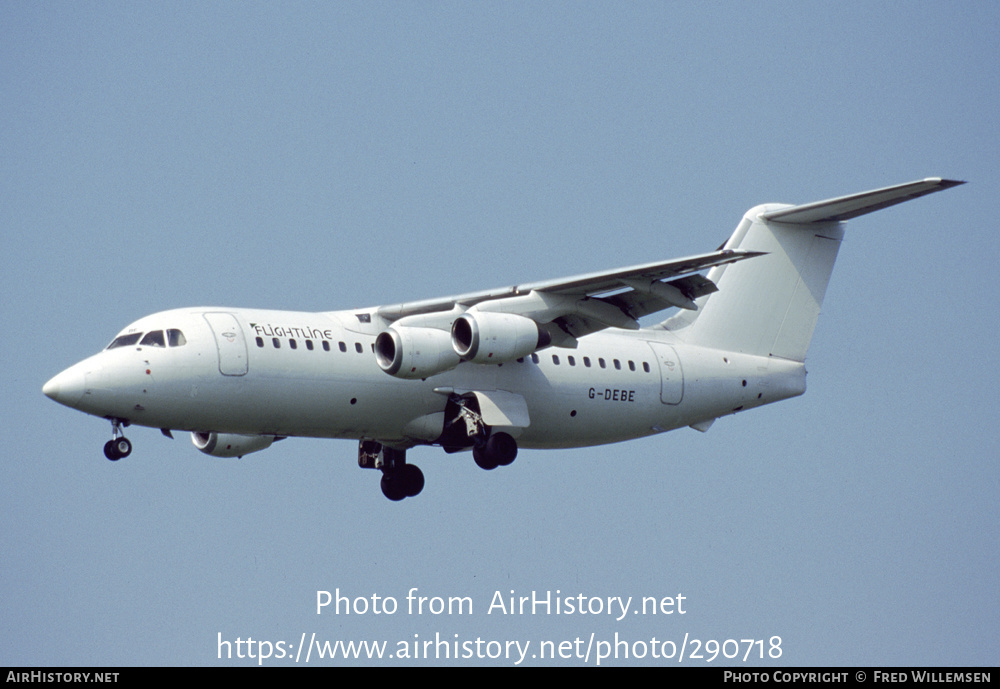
pixel 230 444
pixel 414 352
pixel 486 337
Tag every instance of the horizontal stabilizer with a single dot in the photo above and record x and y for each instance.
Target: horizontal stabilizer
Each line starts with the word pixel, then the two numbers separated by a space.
pixel 847 207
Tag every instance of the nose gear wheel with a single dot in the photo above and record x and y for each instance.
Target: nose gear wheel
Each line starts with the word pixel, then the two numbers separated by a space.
pixel 119 446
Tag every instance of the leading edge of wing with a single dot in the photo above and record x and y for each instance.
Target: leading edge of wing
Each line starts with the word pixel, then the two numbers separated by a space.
pixel 588 284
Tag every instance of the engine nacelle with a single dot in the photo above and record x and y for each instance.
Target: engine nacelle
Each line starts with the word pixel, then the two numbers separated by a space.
pixel 414 352
pixel 486 337
pixel 230 444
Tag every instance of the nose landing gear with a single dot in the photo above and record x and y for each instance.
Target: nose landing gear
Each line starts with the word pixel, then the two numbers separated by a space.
pixel 119 446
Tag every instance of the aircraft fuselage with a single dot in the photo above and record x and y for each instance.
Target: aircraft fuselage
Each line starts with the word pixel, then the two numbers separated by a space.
pixel 287 373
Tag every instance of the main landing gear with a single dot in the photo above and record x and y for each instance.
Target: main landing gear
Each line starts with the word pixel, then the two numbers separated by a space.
pixel 498 450
pixel 399 479
pixel 119 446
pixel 464 427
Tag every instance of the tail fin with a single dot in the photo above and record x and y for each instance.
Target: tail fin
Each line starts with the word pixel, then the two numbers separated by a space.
pixel 769 305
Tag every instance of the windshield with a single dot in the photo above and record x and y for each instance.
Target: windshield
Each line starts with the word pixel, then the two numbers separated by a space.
pixel 125 340
pixel 154 338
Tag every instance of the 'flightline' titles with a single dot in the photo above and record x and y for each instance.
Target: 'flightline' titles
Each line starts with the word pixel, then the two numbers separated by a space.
pixel 269 330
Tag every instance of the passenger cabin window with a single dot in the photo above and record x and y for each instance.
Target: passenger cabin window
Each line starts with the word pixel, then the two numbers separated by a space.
pixel 175 338
pixel 125 340
pixel 154 338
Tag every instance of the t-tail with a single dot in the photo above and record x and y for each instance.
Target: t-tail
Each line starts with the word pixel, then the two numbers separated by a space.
pixel 768 305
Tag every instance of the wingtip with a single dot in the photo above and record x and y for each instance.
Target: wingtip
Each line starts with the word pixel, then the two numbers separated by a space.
pixel 945 183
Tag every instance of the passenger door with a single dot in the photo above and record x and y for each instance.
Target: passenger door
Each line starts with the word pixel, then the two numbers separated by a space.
pixel 671 375
pixel 231 343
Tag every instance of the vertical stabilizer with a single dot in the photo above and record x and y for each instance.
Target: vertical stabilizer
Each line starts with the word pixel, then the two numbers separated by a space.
pixel 768 305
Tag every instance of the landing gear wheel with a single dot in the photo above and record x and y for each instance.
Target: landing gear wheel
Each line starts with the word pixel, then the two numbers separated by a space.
pixel 499 450
pixel 123 446
pixel 483 458
pixel 393 486
pixel 502 447
pixel 117 448
pixel 404 482
pixel 413 479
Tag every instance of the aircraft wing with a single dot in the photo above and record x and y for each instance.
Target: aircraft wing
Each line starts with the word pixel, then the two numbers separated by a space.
pixel 583 304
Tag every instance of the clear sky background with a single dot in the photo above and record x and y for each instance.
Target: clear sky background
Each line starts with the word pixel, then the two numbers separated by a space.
pixel 337 155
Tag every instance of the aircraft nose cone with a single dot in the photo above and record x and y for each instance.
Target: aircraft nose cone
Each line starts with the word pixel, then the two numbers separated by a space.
pixel 51 389
pixel 67 387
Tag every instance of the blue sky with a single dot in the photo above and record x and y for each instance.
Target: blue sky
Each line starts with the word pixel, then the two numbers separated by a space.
pixel 317 156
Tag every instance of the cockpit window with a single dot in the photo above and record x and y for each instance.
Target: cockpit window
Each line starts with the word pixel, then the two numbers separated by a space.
pixel 175 338
pixel 154 338
pixel 125 340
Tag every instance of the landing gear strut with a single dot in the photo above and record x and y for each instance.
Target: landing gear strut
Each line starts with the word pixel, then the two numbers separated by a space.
pixel 119 446
pixel 399 479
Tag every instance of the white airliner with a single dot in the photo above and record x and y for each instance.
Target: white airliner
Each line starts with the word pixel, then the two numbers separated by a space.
pixel 553 364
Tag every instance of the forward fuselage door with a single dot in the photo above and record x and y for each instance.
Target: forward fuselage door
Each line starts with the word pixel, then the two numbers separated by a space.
pixel 671 376
pixel 231 343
